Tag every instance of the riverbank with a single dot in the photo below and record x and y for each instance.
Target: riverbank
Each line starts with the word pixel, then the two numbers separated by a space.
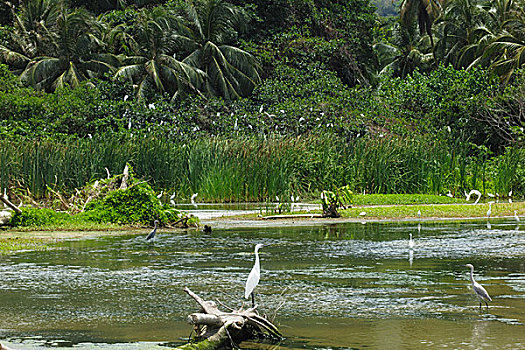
pixel 34 238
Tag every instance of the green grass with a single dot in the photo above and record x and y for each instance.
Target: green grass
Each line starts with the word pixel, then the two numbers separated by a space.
pixel 396 199
pixel 434 211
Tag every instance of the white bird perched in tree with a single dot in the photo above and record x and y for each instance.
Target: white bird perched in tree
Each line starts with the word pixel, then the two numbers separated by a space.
pixel 516 217
pixel 476 192
pixel 172 202
pixel 478 289
pixel 151 235
pixel 410 242
pixel 254 276
pixel 159 196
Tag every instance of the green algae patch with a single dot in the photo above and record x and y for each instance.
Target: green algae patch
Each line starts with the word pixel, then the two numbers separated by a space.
pixel 14 244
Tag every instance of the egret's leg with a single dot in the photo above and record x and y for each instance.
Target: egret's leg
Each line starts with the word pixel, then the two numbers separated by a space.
pixel 253 299
pixel 487 306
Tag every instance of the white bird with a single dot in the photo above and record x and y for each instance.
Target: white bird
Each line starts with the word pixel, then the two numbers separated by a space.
pixel 419 213
pixel 254 276
pixel 510 196
pixel 159 196
pixel 172 202
pixel 363 213
pixel 449 194
pixel 410 242
pixel 481 293
pixel 192 199
pixel 489 212
pixel 516 217
pixel 151 235
pixel 476 192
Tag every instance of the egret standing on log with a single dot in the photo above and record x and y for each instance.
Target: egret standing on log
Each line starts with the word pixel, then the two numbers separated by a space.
pixel 151 235
pixel 254 276
pixel 481 293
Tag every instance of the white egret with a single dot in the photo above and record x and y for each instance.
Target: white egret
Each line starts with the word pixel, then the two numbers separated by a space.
pixel 254 276
pixel 489 212
pixel 449 194
pixel 478 289
pixel 419 214
pixel 363 213
pixel 510 196
pixel 159 196
pixel 516 217
pixel 151 235
pixel 476 192
pixel 193 196
pixel 410 242
pixel 172 202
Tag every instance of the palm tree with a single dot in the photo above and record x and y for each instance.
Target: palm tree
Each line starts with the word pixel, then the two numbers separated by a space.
pixel 55 46
pixel 150 62
pixel 424 11
pixel 459 30
pixel 210 29
pixel 408 52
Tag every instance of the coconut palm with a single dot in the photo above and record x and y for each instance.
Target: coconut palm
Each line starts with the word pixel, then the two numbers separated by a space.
pixel 74 55
pixel 459 29
pixel 54 46
pixel 150 62
pixel 33 26
pixel 408 52
pixel 209 33
pixel 424 11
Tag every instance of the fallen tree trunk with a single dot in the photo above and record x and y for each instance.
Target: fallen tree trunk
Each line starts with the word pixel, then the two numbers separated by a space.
pixel 7 202
pixel 216 329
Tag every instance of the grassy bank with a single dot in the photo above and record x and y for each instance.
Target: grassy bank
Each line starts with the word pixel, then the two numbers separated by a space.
pixel 258 169
pixel 398 212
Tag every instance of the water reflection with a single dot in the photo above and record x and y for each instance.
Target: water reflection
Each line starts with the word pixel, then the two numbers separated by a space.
pixel 354 279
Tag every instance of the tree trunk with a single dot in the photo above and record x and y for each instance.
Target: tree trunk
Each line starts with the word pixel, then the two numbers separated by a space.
pixel 216 329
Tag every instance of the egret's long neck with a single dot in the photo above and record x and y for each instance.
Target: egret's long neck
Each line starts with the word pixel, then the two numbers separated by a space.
pixel 472 275
pixel 257 258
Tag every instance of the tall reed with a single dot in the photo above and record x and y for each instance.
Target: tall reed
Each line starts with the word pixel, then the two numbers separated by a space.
pixel 254 169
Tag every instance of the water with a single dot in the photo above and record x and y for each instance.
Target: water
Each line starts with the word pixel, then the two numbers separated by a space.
pixel 335 287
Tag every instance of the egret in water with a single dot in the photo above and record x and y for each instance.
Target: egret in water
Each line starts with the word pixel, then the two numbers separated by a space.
pixel 516 217
pixel 192 199
pixel 410 242
pixel 254 276
pixel 481 293
pixel 476 192
pixel 151 235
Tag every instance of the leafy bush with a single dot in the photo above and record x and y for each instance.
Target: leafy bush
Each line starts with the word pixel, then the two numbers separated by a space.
pixel 37 217
pixel 136 204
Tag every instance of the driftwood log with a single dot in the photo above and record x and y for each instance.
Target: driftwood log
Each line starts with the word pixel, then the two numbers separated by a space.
pixel 216 329
pixel 7 202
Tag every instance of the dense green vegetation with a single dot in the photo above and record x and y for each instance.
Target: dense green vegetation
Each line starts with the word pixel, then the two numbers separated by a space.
pixel 246 100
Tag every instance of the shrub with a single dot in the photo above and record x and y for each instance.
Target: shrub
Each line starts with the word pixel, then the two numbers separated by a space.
pixel 37 217
pixel 136 204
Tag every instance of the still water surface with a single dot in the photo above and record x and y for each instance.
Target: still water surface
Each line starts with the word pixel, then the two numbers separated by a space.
pixel 345 286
